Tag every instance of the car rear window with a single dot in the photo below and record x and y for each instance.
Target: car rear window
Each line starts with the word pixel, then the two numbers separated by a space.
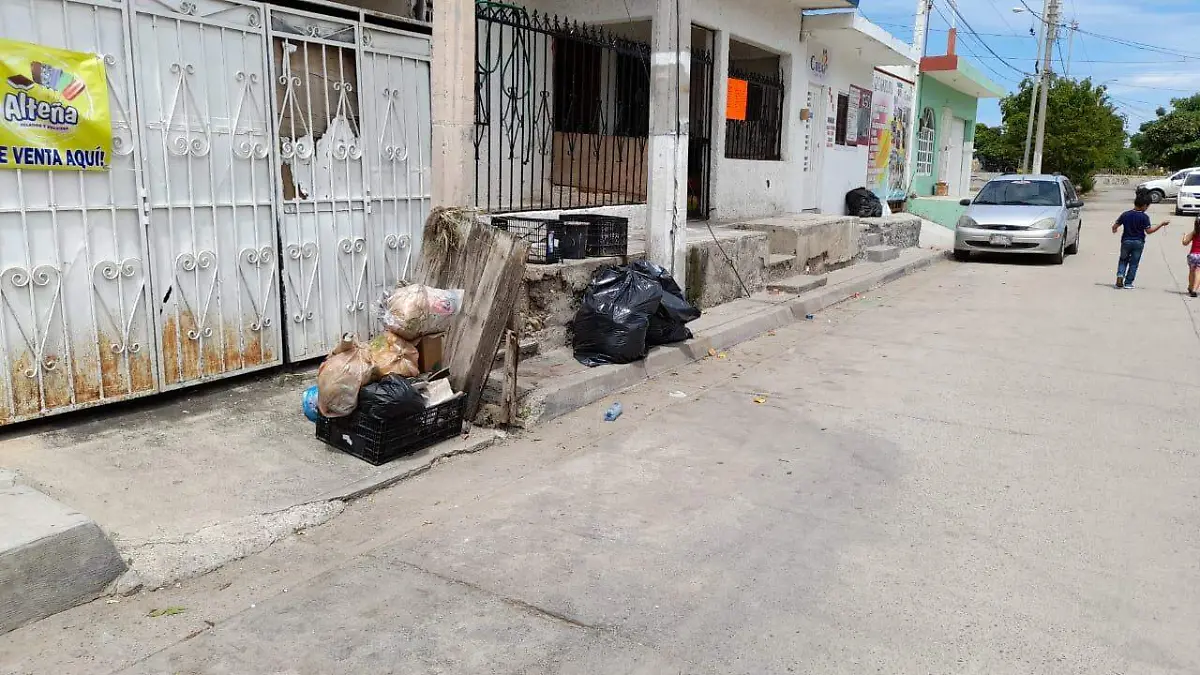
pixel 1020 193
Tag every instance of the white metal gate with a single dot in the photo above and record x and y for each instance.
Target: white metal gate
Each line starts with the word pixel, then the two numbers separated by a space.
pixel 230 169
pixel 352 110
pixel 75 323
pixel 201 75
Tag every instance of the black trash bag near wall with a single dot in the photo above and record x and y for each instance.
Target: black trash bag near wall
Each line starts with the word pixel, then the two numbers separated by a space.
pixel 387 400
pixel 611 325
pixel 668 324
pixel 863 203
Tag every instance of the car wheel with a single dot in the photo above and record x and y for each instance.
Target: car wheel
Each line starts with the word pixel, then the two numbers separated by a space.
pixel 961 255
pixel 1178 211
pixel 1057 258
pixel 1073 249
pixel 1156 196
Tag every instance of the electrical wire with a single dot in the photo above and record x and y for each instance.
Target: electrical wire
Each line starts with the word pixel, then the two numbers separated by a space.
pixel 982 42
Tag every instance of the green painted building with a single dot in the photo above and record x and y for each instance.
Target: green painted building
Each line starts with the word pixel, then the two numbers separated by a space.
pixel 946 113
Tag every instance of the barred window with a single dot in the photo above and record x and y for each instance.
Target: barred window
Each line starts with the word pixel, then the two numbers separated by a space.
pixel 925 142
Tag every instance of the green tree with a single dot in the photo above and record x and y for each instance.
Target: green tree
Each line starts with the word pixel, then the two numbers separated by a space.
pixel 1173 139
pixel 1084 132
pixel 993 153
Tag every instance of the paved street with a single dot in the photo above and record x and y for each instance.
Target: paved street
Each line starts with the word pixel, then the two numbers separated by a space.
pixel 984 468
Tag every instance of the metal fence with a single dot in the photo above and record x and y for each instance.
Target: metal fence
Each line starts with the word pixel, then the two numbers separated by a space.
pixel 562 113
pixel 760 134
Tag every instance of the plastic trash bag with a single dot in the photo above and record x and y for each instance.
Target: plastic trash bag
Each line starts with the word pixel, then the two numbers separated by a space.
pixel 611 325
pixel 415 310
pixel 863 203
pixel 393 355
pixel 668 323
pixel 308 403
pixel 347 368
pixel 390 399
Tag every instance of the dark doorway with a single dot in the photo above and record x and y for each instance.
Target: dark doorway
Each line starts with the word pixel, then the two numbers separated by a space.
pixel 700 136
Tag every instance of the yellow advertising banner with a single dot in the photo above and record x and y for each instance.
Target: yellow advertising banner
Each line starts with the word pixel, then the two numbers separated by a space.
pixel 55 109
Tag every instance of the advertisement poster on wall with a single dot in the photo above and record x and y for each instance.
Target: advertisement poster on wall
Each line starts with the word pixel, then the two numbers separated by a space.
pixel 53 109
pixel 891 114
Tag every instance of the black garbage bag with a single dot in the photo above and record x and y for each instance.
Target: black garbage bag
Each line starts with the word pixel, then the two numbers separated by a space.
pixel 611 325
pixel 668 323
pixel 387 400
pixel 863 203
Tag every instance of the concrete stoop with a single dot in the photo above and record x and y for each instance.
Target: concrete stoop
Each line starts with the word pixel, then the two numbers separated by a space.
pixel 554 383
pixel 52 558
pixel 551 294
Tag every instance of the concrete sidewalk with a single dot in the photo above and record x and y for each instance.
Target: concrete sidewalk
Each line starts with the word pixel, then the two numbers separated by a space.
pixel 187 483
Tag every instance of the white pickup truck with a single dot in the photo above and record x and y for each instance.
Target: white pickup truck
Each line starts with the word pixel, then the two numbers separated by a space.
pixel 1166 188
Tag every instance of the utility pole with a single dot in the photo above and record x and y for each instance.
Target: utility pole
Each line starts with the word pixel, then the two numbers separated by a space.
pixel 1033 100
pixel 670 106
pixel 920 42
pixel 1051 19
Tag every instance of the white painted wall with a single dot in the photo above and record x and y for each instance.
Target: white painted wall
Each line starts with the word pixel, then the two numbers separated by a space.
pixel 844 168
pixel 743 188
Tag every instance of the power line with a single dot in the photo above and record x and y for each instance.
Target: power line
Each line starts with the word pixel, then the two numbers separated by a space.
pixel 909 26
pixel 1142 46
pixel 1144 86
pixel 982 42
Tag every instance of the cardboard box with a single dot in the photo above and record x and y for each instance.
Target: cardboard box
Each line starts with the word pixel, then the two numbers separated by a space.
pixel 431 349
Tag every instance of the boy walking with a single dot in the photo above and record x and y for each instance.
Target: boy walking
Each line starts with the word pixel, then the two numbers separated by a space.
pixel 1135 225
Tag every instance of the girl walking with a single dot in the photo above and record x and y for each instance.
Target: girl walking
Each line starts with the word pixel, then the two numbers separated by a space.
pixel 1193 239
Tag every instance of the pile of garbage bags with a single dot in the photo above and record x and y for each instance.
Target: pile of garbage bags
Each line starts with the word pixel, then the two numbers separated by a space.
pixel 862 203
pixel 355 372
pixel 627 310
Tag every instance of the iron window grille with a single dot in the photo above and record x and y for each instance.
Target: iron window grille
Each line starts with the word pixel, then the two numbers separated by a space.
pixel 760 135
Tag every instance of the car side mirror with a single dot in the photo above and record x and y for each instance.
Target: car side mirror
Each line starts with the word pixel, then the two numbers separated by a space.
pixel 964 202
pixel 1077 204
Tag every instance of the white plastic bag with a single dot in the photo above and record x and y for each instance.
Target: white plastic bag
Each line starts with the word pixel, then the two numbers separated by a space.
pixel 416 310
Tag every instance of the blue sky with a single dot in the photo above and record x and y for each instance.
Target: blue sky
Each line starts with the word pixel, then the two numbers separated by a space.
pixel 1138 80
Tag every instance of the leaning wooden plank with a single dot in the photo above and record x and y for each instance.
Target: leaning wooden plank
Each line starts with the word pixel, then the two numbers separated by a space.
pixel 459 251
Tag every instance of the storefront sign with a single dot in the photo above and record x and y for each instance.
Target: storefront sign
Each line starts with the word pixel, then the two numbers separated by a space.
pixel 818 64
pixel 54 112
pixel 737 100
pixel 891 113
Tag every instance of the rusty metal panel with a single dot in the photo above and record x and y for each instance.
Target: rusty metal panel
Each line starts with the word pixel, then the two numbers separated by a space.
pixel 75 324
pixel 202 93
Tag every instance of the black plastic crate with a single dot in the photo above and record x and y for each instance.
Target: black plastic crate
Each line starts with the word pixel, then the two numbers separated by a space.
pixel 381 442
pixel 608 236
pixel 543 235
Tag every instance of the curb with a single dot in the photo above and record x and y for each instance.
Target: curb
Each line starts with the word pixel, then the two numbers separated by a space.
pixel 745 320
pixel 52 558
pixel 410 467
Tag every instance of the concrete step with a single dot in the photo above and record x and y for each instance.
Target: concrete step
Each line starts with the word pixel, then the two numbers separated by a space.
pixel 878 254
pixel 780 266
pixel 801 283
pixel 52 558
pixel 872 240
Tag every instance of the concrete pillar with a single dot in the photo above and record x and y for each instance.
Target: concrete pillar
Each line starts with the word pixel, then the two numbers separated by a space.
pixel 670 101
pixel 452 83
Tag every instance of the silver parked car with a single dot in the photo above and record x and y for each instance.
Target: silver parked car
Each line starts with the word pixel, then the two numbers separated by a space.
pixel 1021 214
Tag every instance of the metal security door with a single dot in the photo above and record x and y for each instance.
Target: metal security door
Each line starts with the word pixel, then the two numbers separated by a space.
pixel 75 324
pixel 201 76
pixel 322 188
pixel 396 123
